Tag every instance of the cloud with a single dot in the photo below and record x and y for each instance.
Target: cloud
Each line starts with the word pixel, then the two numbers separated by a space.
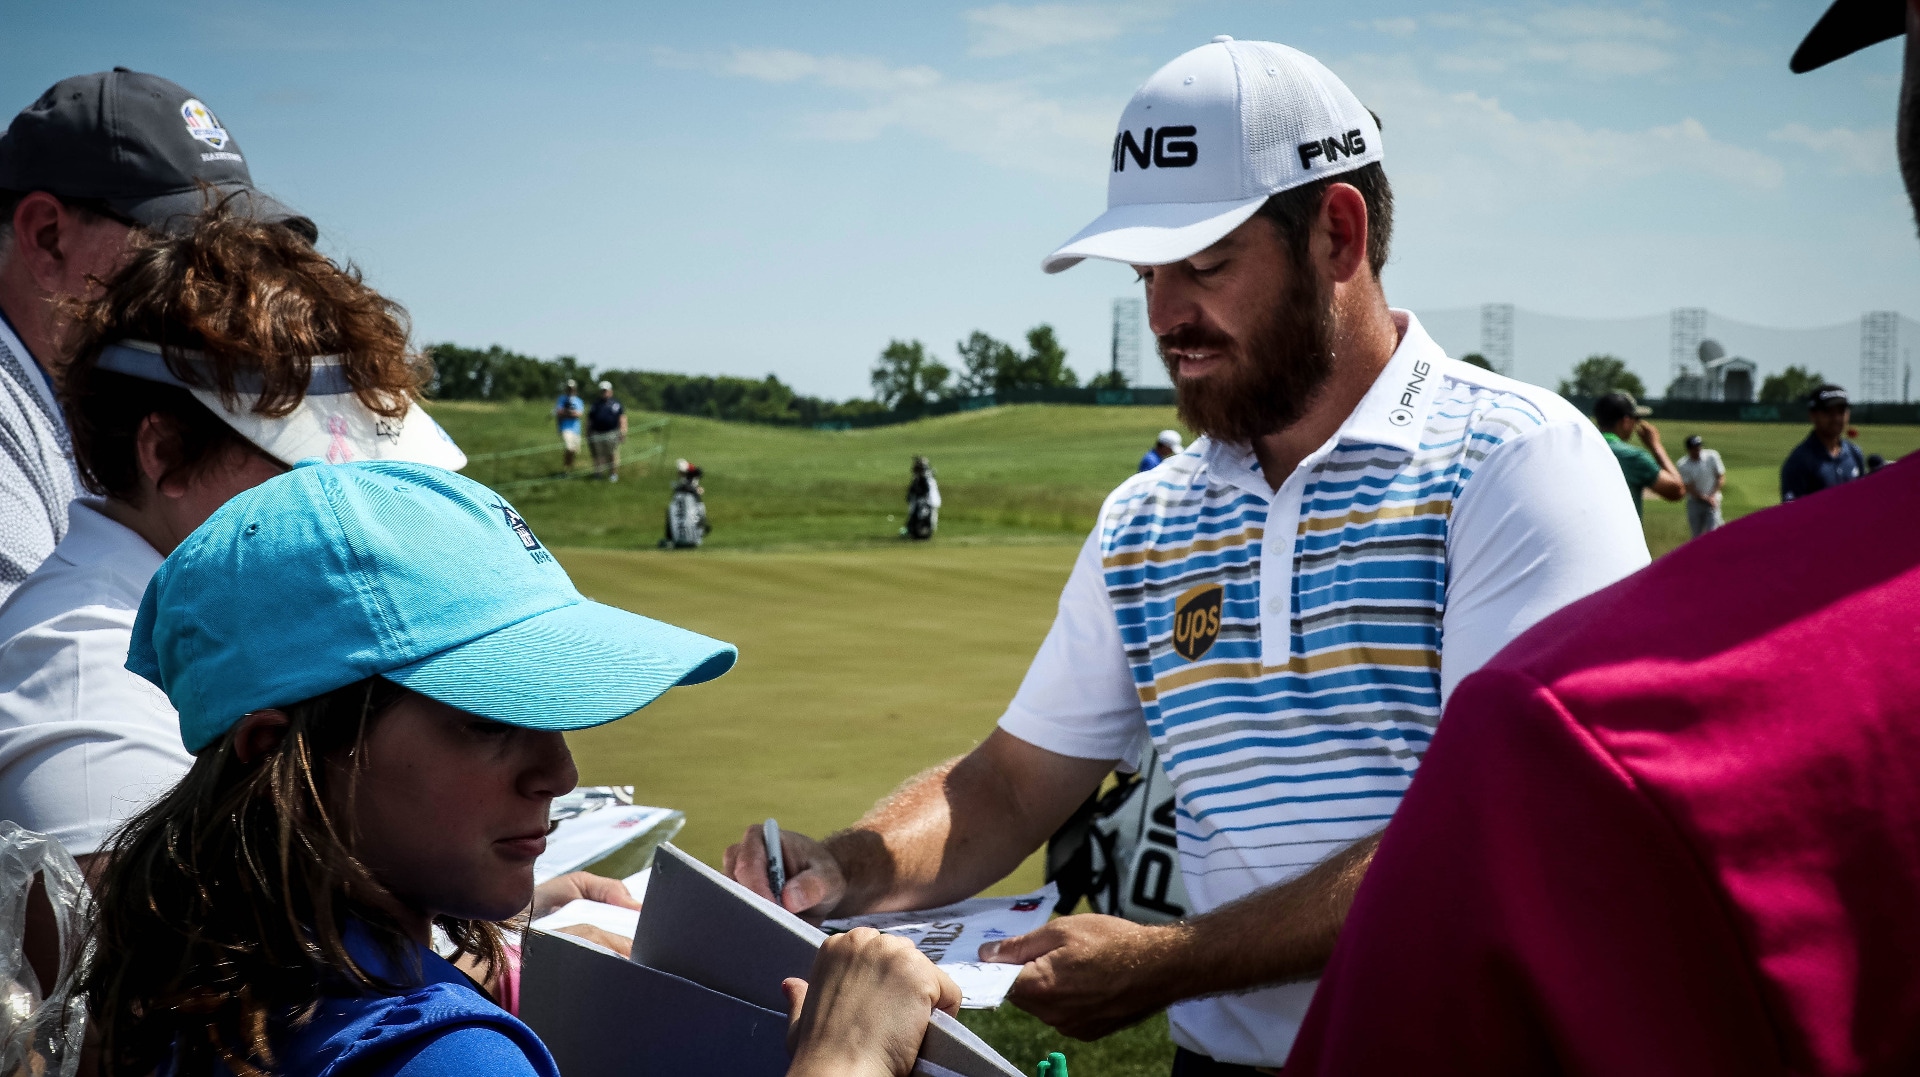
pixel 1592 41
pixel 1006 122
pixel 1401 26
pixel 1006 30
pixel 1471 152
pixel 1846 150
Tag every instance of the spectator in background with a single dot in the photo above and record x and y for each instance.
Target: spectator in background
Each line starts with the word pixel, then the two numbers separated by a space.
pixel 1705 476
pixel 1168 445
pixel 1620 417
pixel 606 432
pixel 1826 458
pixel 1634 847
pixel 95 158
pixel 566 416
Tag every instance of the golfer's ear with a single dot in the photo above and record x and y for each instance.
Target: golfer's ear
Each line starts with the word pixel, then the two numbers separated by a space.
pixel 259 735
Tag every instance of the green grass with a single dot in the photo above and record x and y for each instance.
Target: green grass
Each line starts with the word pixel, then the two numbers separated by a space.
pixel 865 659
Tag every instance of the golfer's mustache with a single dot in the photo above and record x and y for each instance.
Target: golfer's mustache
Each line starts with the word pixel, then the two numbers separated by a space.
pixel 1193 336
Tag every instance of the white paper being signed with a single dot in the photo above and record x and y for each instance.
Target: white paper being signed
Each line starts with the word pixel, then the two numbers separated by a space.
pixel 951 938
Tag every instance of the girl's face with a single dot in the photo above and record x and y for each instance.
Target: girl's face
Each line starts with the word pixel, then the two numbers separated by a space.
pixel 450 810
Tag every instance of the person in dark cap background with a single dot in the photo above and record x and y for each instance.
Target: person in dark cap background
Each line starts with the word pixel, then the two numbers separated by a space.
pixel 1637 844
pixel 95 157
pixel 1826 458
pixel 1621 418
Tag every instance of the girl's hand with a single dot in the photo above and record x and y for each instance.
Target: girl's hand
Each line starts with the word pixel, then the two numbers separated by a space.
pixel 549 896
pixel 865 1010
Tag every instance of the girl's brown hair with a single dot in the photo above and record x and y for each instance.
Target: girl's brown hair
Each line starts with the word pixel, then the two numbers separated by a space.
pixel 258 302
pixel 221 915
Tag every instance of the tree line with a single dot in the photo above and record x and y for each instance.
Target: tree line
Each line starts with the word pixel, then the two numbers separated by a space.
pixel 1598 375
pixel 908 376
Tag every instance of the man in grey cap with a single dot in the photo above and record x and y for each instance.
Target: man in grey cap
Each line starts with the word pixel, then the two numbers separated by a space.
pixel 94 158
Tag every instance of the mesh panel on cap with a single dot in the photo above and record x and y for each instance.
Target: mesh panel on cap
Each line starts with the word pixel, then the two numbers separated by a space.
pixel 1280 107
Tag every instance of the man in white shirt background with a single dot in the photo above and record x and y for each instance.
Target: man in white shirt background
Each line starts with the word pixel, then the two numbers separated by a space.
pixel 1704 477
pixel 1267 610
pixel 95 157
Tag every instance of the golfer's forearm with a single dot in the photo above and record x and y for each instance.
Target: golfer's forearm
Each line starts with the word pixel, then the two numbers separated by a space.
pixel 945 835
pixel 1283 934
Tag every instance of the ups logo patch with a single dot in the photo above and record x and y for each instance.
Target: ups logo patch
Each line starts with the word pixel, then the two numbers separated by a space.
pixel 1196 620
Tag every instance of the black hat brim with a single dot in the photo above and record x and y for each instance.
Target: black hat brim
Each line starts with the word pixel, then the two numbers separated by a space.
pixel 176 212
pixel 1846 28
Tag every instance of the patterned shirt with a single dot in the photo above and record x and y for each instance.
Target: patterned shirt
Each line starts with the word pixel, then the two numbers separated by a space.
pixel 37 479
pixel 1291 698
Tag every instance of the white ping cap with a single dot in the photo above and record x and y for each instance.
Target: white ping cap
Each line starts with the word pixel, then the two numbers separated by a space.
pixel 1205 142
pixel 1170 437
pixel 330 422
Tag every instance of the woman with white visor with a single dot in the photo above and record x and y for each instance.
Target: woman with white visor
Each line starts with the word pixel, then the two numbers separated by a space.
pixel 211 362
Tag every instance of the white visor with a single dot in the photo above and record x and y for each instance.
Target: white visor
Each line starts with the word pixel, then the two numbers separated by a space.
pixel 330 422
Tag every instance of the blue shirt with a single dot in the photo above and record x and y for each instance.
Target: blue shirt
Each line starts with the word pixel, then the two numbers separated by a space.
pixel 1151 460
pixel 1808 469
pixel 568 423
pixel 439 1026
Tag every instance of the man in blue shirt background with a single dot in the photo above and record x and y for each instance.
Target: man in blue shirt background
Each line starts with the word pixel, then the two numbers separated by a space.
pixel 1826 458
pixel 1168 445
pixel 566 415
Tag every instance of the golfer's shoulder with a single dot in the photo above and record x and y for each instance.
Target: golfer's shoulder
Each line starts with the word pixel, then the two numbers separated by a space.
pixel 1491 403
pixel 1177 479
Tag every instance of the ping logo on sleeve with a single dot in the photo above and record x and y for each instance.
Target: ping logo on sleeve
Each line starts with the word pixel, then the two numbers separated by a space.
pixel 1196 621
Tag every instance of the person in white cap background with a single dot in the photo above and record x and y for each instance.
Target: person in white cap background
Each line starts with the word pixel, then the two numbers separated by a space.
pixel 1166 446
pixel 1282 609
pixel 606 432
pixel 184 388
pixel 93 159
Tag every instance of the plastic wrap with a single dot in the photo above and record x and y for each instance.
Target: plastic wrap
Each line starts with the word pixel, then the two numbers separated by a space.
pixel 41 1027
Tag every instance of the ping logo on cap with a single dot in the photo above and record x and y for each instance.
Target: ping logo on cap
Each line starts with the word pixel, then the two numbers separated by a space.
pixel 201 124
pixel 1353 144
pixel 1168 147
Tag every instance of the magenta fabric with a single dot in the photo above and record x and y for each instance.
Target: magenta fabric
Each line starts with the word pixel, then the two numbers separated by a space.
pixel 1674 828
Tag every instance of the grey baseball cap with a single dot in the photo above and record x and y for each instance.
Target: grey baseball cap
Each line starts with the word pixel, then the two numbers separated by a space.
pixel 139 145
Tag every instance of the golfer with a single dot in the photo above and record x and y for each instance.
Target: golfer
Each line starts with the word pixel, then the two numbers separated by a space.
pixel 376 750
pixel 1280 611
pixel 566 419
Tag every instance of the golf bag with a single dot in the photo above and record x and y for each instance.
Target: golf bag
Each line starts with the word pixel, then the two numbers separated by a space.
pixel 1118 851
pixel 923 501
pixel 686 513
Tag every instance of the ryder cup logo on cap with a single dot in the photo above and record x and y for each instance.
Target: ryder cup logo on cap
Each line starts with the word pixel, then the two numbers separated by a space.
pixel 201 124
pixel 1208 139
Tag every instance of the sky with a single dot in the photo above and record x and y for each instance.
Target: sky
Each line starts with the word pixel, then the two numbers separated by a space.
pixel 753 188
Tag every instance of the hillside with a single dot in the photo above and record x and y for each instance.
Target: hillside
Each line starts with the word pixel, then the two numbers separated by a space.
pixel 1025 473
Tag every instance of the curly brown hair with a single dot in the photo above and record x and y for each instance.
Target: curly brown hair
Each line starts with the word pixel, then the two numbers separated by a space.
pixel 220 919
pixel 259 304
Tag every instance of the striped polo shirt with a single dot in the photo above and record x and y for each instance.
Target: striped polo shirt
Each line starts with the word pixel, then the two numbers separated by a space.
pixel 1290 697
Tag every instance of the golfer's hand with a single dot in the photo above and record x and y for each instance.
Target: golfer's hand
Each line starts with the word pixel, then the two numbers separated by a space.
pixel 575 885
pixel 1089 975
pixel 864 1010
pixel 619 944
pixel 815 883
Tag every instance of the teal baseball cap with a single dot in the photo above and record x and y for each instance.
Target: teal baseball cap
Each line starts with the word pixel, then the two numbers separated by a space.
pixel 333 573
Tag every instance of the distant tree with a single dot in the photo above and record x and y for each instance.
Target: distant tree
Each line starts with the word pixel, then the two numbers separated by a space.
pixel 986 364
pixel 1111 379
pixel 1598 375
pixel 906 377
pixel 1476 359
pixel 1790 386
pixel 1045 366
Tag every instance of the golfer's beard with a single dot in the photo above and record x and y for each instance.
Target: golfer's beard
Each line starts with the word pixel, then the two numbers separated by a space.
pixel 1267 382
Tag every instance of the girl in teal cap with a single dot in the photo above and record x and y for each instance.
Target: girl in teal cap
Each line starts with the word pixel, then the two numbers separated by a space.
pixel 273 913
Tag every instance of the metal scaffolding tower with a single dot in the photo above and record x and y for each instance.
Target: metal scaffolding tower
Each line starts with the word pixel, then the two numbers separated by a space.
pixel 1687 326
pixel 1879 356
pixel 1496 336
pixel 1128 313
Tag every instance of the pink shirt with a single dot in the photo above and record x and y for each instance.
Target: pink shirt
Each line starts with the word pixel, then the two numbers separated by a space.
pixel 1674 828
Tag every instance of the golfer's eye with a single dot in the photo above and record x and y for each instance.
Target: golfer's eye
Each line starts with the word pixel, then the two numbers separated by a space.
pixel 1200 270
pixel 486 730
